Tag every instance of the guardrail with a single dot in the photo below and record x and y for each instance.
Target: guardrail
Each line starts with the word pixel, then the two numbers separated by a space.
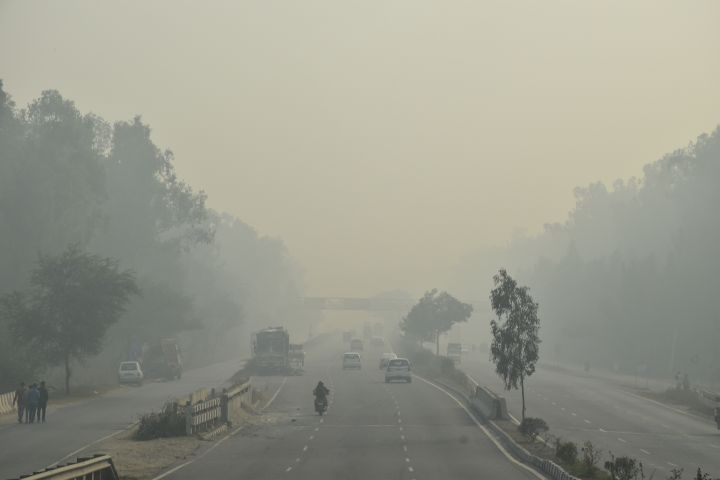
pixel 6 403
pixel 212 413
pixel 203 415
pixel 98 467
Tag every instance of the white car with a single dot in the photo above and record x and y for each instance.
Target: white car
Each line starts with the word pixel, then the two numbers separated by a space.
pixel 130 372
pixel 351 360
pixel 385 359
pixel 398 369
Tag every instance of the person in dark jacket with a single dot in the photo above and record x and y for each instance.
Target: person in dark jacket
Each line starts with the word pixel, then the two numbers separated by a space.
pixel 42 405
pixel 19 399
pixel 32 402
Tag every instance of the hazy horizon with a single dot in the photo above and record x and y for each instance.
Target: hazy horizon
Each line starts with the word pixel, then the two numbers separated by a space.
pixel 382 141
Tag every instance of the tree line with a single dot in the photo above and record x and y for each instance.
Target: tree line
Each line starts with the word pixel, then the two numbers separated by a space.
pixel 628 281
pixel 72 184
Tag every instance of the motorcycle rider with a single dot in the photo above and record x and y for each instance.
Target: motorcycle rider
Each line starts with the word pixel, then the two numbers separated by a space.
pixel 321 392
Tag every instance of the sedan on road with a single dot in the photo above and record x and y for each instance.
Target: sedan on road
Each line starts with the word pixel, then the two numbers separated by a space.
pixel 398 369
pixel 130 372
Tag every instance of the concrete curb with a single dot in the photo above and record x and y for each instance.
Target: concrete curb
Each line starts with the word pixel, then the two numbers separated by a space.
pixel 547 467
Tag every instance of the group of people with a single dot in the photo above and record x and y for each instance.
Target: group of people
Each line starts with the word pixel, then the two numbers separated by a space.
pixel 31 402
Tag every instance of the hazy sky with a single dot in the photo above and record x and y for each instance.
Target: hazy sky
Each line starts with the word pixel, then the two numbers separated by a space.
pixel 382 140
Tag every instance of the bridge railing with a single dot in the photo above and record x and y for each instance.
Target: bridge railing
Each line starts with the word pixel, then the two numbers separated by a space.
pixel 98 467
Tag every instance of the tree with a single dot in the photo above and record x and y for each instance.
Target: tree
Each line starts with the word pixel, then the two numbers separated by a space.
pixel 74 298
pixel 434 314
pixel 515 342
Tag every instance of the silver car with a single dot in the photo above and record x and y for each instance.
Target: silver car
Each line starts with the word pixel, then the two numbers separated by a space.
pixel 398 369
pixel 130 372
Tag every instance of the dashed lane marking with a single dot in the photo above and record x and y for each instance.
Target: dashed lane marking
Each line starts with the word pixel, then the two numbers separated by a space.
pixel 573 414
pixel 586 421
pixel 671 464
pixel 602 430
pixel 622 440
pixel 645 451
pixel 288 469
pixel 410 469
pixel 305 448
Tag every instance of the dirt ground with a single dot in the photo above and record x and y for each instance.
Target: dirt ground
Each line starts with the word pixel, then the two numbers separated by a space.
pixel 142 460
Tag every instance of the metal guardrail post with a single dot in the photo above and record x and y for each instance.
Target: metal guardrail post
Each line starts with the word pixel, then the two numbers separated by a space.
pixel 224 414
pixel 188 418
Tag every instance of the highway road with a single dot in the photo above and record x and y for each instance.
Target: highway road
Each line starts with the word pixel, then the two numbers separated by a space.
pixel 608 412
pixel 72 428
pixel 372 430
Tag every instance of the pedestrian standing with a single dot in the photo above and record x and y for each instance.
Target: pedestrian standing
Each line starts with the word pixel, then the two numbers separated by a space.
pixel 33 400
pixel 19 400
pixel 42 405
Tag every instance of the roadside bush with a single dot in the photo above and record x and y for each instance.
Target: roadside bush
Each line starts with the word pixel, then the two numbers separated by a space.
pixel 566 452
pixel 624 468
pixel 532 427
pixel 169 422
pixel 591 455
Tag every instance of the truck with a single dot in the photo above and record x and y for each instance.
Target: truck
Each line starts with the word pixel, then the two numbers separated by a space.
pixel 271 348
pixel 454 352
pixel 162 359
pixel 296 355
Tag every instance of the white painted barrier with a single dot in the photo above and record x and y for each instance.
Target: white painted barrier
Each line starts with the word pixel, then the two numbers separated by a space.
pixel 6 403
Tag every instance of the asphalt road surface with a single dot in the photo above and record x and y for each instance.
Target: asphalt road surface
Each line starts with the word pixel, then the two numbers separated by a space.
pixel 69 429
pixel 372 430
pixel 607 411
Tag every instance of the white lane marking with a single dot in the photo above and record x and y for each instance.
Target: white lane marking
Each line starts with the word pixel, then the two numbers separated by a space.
pixel 554 403
pixel 93 443
pixel 603 430
pixel 410 469
pixel 405 448
pixel 212 447
pixel 317 429
pixel 297 460
pixel 312 437
pixel 277 392
pixel 562 408
pixel 622 440
pixel 322 420
pixel 399 420
pixel 305 448
pixel 573 414
pixel 663 425
pixel 645 451
pixel 402 437
pixel 586 420
pixel 713 445
pixel 401 429
pixel 288 469
pixel 484 430
pixel 407 460
pixel 671 464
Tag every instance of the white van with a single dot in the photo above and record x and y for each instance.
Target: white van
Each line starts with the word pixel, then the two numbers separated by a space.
pixel 351 360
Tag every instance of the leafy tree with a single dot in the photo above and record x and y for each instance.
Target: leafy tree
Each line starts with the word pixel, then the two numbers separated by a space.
pixel 515 342
pixel 73 300
pixel 434 314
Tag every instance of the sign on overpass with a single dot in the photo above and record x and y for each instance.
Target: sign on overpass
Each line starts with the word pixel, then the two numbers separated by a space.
pixel 367 304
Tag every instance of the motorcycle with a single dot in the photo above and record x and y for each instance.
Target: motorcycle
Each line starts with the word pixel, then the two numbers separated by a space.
pixel 321 405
